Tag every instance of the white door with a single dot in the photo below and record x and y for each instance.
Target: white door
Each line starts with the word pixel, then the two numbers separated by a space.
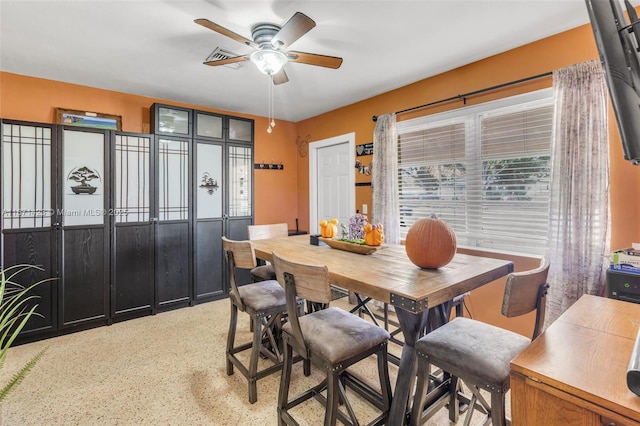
pixel 332 180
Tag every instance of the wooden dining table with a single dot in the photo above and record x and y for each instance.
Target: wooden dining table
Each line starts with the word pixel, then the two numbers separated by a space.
pixel 421 297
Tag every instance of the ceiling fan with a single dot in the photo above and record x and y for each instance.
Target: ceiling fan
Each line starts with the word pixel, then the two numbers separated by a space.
pixel 270 42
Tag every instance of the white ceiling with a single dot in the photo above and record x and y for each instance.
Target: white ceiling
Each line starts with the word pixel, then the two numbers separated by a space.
pixel 153 48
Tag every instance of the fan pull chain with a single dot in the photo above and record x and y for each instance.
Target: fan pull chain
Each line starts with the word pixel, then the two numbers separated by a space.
pixel 269 82
pixel 271 118
pixel 273 105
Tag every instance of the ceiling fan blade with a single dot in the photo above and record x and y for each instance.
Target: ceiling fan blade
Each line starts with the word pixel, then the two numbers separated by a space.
pixel 296 27
pixel 315 59
pixel 280 77
pixel 227 61
pixel 224 31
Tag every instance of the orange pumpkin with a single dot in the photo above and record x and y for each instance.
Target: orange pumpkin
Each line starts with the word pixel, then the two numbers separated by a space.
pixel 430 243
pixel 328 229
pixel 373 236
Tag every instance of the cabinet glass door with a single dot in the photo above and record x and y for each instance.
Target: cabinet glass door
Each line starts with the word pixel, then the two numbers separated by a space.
pixel 26 176
pixel 240 130
pixel 173 232
pixel 169 120
pixel 83 184
pixel 132 185
pixel 173 179
pixel 132 289
pixel 209 188
pixel 208 126
pixel 209 222
pixel 85 233
pixel 240 180
pixel 27 214
pixel 240 206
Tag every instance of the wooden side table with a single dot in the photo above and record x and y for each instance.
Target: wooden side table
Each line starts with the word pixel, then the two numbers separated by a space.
pixel 575 372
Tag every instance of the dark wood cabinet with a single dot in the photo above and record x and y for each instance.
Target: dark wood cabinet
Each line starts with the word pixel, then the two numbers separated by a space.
pixel 27 224
pixel 132 292
pixel 133 225
pixel 172 264
pixel 209 261
pixel 82 220
pixel 223 198
pixel 33 247
pixel 84 277
pixel 126 224
pixel 173 221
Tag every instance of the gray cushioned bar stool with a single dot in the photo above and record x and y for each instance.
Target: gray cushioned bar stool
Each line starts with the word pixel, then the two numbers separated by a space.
pixel 478 353
pixel 265 303
pixel 261 232
pixel 333 340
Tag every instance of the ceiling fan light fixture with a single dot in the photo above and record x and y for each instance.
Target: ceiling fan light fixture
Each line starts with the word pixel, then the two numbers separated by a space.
pixel 269 62
pixel 270 40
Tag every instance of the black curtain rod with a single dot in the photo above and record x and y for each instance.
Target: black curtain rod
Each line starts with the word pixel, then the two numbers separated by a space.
pixel 476 92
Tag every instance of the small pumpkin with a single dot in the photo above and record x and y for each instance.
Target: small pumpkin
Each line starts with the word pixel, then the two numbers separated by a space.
pixel 430 243
pixel 329 229
pixel 373 235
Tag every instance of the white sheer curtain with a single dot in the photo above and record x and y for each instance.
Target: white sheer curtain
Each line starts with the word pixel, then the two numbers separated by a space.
pixel 384 180
pixel 579 219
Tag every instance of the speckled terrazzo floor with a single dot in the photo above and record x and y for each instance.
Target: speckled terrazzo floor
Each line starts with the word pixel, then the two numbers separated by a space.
pixel 167 369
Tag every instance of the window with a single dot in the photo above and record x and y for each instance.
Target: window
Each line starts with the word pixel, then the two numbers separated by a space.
pixel 485 170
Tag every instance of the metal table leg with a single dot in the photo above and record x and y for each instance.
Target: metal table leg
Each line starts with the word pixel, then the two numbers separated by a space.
pixel 413 326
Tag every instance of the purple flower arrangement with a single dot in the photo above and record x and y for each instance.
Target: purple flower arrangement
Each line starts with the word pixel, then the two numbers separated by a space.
pixel 355 233
pixel 356 225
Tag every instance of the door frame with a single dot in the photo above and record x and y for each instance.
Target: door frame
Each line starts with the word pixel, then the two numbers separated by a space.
pixel 348 138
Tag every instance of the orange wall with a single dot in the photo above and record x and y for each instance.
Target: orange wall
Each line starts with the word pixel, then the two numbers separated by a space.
pixel 33 99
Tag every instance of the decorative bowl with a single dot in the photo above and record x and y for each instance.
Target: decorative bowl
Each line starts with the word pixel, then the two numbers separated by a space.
pixel 354 248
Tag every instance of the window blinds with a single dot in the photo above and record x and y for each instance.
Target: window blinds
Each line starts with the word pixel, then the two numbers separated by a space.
pixel 485 172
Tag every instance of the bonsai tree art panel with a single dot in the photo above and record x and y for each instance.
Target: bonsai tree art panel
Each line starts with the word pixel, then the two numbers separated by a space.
pixel 83 183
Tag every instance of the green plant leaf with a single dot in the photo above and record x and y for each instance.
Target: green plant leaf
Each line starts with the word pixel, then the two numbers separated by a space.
pixel 15 312
pixel 18 377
